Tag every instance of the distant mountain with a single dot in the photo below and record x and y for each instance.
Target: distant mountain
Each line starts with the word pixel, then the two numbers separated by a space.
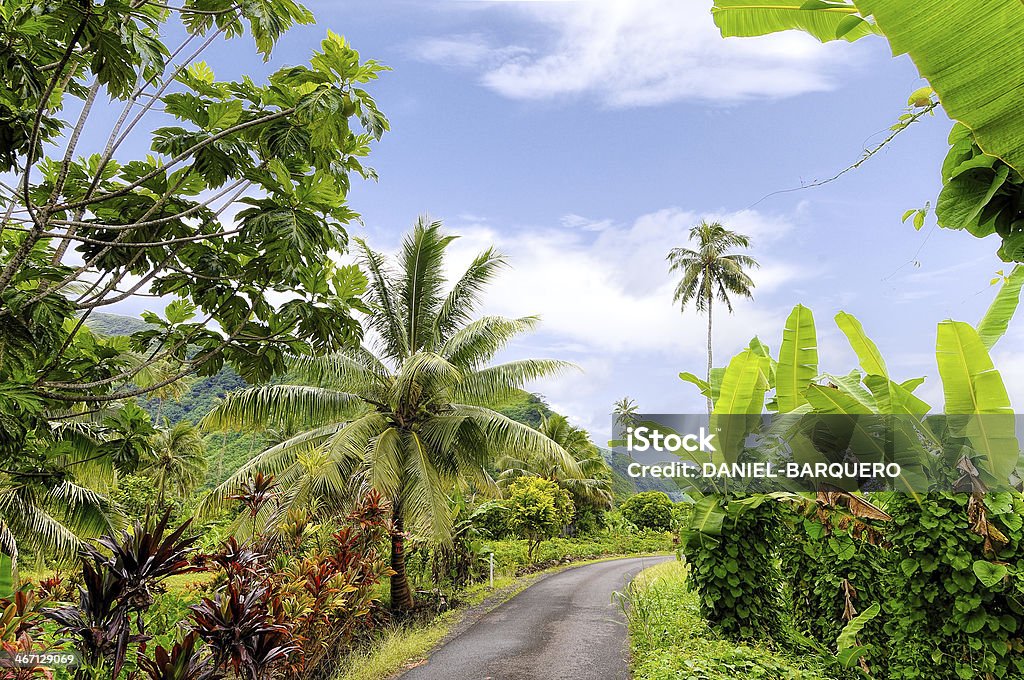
pixel 202 393
pixel 114 324
pixel 623 485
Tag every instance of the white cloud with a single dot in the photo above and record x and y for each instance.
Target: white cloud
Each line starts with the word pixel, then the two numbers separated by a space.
pixel 609 290
pixel 465 51
pixel 637 53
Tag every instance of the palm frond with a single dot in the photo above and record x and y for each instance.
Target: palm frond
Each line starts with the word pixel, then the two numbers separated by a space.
pixel 462 300
pixel 507 437
pixel 495 384
pixel 385 317
pixel 260 407
pixel 476 343
pixel 420 289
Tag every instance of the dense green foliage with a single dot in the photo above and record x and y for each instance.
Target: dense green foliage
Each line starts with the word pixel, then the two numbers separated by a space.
pixel 831 576
pixel 929 591
pixel 85 225
pixel 648 510
pixel 538 509
pixel 736 576
pixel 956 608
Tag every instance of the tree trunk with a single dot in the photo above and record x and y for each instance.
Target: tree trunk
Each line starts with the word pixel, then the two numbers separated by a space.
pixel 401 593
pixel 710 403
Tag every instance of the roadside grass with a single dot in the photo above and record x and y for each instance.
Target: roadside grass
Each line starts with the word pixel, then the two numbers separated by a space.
pixel 396 649
pixel 670 641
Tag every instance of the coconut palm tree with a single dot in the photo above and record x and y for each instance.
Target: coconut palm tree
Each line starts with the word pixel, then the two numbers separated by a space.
pixel 589 481
pixel 710 271
pixel 406 413
pixel 179 460
pixel 52 510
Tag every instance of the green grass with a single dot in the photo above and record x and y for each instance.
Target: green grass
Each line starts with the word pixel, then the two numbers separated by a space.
pixel 396 649
pixel 510 555
pixel 670 640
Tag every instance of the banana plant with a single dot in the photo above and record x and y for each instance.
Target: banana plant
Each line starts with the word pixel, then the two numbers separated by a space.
pixel 975 438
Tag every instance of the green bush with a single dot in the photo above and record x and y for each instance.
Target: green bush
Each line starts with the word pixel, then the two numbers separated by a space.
pixel 538 509
pixel 825 569
pixel 649 510
pixel 490 519
pixel 956 609
pixel 737 575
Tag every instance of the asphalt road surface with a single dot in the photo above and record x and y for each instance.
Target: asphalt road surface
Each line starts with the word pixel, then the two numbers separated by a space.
pixel 565 627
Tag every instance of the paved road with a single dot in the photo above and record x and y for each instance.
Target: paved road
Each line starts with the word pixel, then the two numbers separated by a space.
pixel 565 627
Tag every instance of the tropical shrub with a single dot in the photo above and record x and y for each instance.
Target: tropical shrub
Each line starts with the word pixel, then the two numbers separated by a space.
pixel 736 574
pixel 956 608
pixel 832 572
pixel 649 510
pixel 538 509
pixel 118 585
pixel 21 625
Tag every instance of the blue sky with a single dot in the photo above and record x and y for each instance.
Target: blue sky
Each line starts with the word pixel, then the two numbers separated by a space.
pixel 585 138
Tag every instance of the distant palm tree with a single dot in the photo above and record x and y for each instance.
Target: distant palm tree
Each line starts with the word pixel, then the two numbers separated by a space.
pixel 711 271
pixel 407 414
pixel 590 481
pixel 179 461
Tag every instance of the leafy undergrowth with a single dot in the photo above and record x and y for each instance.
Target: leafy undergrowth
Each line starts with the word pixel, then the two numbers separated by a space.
pixel 669 639
pixel 510 555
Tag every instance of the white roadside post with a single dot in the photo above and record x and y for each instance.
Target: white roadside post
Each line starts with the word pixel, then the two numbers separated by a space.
pixel 492 569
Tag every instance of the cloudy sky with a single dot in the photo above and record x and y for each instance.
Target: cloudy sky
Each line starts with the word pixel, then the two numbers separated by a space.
pixel 585 138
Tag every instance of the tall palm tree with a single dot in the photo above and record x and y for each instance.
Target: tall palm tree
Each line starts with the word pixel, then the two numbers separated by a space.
pixel 710 271
pixel 589 481
pixel 179 460
pixel 406 413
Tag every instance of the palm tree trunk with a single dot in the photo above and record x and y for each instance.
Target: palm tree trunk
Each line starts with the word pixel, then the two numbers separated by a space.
pixel 401 593
pixel 710 404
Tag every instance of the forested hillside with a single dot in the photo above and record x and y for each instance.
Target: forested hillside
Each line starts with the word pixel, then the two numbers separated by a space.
pixel 227 452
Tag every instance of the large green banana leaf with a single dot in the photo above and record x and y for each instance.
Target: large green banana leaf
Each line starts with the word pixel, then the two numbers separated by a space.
pixel 824 20
pixel 972 386
pixel 705 521
pixel 699 383
pixel 892 398
pixel 798 359
pixel 867 352
pixel 997 319
pixel 742 393
pixel 851 385
pixel 972 54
